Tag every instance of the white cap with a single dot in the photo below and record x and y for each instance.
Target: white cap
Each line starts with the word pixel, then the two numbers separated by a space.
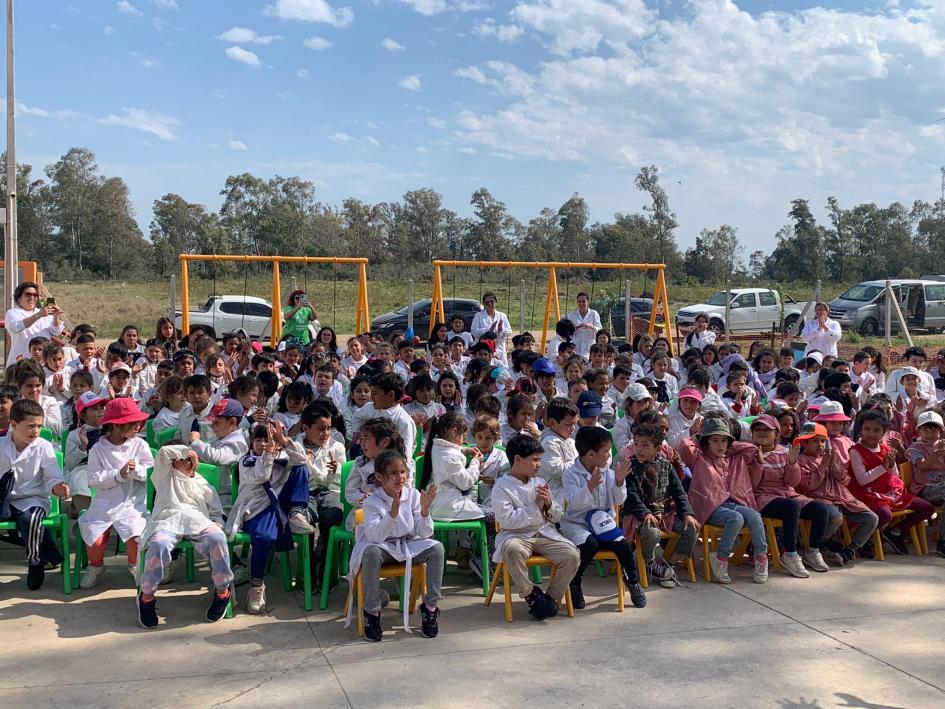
pixel 904 371
pixel 818 357
pixel 931 417
pixel 638 392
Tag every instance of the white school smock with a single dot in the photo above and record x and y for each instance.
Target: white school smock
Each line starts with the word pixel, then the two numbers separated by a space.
pixel 255 471
pixel 699 340
pixel 824 342
pixel 518 515
pixel 35 472
pixel 75 463
pixel 59 396
pixel 316 458
pixel 583 339
pixel 20 334
pixel 481 324
pixel 494 465
pixel 183 506
pixel 186 423
pixel 119 502
pixel 559 453
pixel 581 500
pixel 399 417
pixel 166 419
pixel 455 483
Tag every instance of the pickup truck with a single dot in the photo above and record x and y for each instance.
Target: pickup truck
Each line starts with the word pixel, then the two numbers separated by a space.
pixel 751 310
pixel 243 314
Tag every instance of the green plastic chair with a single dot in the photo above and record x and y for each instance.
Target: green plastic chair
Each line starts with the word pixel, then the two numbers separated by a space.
pixel 164 437
pixel 149 433
pixel 340 542
pixel 47 433
pixel 65 438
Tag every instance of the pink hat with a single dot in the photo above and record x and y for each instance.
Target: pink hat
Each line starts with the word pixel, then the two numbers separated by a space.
pixel 831 411
pixel 87 400
pixel 121 411
pixel 690 393
pixel 767 421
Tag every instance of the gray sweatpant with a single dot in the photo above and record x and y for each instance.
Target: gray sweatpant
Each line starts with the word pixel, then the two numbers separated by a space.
pixel 375 557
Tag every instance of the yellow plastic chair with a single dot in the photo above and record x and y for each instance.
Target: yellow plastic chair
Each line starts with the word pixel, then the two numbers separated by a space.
pixel 920 540
pixel 667 552
pixel 709 536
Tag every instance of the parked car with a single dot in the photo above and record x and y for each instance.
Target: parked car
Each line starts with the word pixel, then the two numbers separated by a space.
pixel 397 320
pixel 751 310
pixel 862 308
pixel 244 314
pixel 639 308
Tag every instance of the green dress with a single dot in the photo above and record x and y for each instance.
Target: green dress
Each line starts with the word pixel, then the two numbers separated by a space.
pixel 297 325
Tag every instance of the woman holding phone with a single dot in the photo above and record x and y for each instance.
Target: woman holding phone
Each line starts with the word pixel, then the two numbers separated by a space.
pixel 27 320
pixel 298 313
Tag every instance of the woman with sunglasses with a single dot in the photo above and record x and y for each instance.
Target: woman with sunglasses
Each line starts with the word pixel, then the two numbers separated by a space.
pixel 27 320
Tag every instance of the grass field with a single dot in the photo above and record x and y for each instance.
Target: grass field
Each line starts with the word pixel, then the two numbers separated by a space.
pixel 110 305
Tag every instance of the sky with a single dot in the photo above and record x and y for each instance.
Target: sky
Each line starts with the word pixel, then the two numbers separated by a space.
pixel 743 106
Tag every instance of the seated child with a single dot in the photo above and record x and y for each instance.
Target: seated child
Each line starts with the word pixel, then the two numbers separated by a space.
pixel 117 470
pixel 592 490
pixel 557 441
pixel 494 462
pixel 151 400
pixel 271 502
pixel 656 502
pixel 526 512
pixel 423 407
pixel 28 375
pixel 30 474
pixel 637 399
pixel 79 383
pixel 229 444
pixel 386 393
pixel 89 411
pixel 397 527
pixel 520 418
pixel 377 434
pixel 185 507
pixel 927 456
pixel 193 417
pixel 292 402
pixel 146 367
pixel 57 374
pixel 598 381
pixel 171 392
pixel 118 383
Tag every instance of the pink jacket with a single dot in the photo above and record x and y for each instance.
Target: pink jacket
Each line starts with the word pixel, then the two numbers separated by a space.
pixel 776 478
pixel 716 480
pixel 830 485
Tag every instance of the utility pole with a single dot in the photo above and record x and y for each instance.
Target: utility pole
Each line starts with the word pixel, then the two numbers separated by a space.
pixel 11 270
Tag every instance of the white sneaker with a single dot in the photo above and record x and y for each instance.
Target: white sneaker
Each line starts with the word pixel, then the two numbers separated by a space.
pixel 760 574
pixel 815 560
pixel 91 575
pixel 720 569
pixel 256 599
pixel 299 525
pixel 793 565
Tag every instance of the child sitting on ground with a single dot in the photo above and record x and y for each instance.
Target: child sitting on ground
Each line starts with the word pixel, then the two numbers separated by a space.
pixel 592 490
pixel 397 527
pixel 527 513
pixel 89 411
pixel 185 507
pixel 117 470
pixel 927 456
pixel 656 501
pixel 30 474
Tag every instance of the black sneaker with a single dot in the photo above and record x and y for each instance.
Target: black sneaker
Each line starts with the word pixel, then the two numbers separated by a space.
pixel 35 576
pixel 372 627
pixel 847 555
pixel 428 626
pixel 895 540
pixel 577 596
pixel 217 607
pixel 147 613
pixel 867 551
pixel 551 606
pixel 536 604
pixel 637 596
pixel 940 547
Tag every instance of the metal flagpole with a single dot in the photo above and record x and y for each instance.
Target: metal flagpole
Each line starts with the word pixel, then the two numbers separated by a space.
pixel 10 272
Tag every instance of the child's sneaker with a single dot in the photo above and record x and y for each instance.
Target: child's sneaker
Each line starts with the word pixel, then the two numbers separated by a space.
pixel 217 607
pixel 35 576
pixel 663 572
pixel 760 574
pixel 147 612
pixel 298 524
pixel 240 574
pixel 847 555
pixel 550 606
pixel 256 599
pixel 372 627
pixel 867 551
pixel 91 575
pixel 940 547
pixel 813 559
pixel 536 603
pixel 428 625
pixel 720 569
pixel 637 596
pixel 173 568
pixel 577 596
pixel 895 540
pixel 475 564
pixel 793 565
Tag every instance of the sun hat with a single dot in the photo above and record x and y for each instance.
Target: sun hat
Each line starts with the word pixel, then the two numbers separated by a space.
pixel 690 393
pixel 88 399
pixel 638 392
pixel 811 430
pixel 909 372
pixel 226 408
pixel 589 404
pixel 831 411
pixel 816 356
pixel 121 411
pixel 767 421
pixel 930 417
pixel 715 427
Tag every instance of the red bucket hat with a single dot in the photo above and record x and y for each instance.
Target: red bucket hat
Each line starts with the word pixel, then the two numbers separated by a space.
pixel 121 411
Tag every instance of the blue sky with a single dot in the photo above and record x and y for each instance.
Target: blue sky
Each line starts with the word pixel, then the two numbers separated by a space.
pixel 743 106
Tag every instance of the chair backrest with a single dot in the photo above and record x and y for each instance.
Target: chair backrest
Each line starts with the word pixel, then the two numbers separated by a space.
pixel 418 473
pixel 345 473
pixel 162 438
pixel 59 458
pixel 149 433
pixel 65 438
pixel 46 433
pixel 905 472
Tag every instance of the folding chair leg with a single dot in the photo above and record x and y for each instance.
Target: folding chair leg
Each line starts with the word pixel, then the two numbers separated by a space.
pixel 621 591
pixel 66 567
pixel 878 546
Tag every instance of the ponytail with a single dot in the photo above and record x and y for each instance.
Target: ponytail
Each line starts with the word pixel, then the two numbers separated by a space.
pixel 438 426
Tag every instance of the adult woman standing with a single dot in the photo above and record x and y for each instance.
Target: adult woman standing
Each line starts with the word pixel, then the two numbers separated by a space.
pixel 822 334
pixel 25 320
pixel 586 324
pixel 298 313
pixel 492 319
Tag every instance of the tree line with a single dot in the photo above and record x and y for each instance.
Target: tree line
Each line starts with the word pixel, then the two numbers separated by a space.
pixel 78 223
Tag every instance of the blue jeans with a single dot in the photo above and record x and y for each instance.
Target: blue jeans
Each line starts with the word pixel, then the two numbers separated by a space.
pixel 731 517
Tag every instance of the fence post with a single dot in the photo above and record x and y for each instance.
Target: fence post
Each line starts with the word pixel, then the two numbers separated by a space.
pixel 889 297
pixel 627 313
pixel 410 307
pixel 902 322
pixel 521 307
pixel 173 298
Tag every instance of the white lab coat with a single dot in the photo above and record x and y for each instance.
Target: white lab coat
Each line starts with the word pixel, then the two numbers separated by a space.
pixel 119 502
pixel 317 461
pixel 35 472
pixel 455 483
pixel 75 461
pixel 483 322
pixel 583 339
pixel 518 515
pixel 494 465
pixel 254 472
pixel 20 335
pixel 399 417
pixel 581 500
pixel 817 339
pixel 559 453
pixel 166 419
pixel 59 396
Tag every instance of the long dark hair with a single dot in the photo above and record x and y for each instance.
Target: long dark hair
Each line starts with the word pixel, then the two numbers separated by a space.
pixel 438 426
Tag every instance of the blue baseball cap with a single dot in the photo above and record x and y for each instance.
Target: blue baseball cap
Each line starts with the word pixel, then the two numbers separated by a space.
pixel 589 404
pixel 543 365
pixel 226 408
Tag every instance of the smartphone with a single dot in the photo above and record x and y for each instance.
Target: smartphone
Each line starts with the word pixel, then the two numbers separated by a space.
pixel 50 301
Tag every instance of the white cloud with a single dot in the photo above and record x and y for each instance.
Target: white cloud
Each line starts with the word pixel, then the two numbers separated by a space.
pixel 503 33
pixel 152 122
pixel 437 123
pixel 468 151
pixel 127 8
pixel 238 54
pixel 57 114
pixel 392 45
pixel 302 73
pixel 340 138
pixel 310 11
pixel 427 7
pixel 149 62
pixel 108 30
pixel 472 73
pixel 581 25
pixel 317 43
pixel 242 35
pixel 373 141
pixel 471 5
pixel 237 145
pixel 166 4
pixel 411 83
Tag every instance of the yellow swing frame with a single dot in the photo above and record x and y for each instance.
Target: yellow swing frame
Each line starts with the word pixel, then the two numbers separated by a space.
pixel 552 305
pixel 362 314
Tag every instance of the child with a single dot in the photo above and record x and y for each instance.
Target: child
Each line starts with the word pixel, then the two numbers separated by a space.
pixel 397 527
pixel 386 393
pixel 774 482
pixel 738 397
pixel 422 409
pixel 618 387
pixel 520 418
pixel 28 375
pixel 151 401
pixel 439 361
pixel 527 513
pixel 79 383
pixel 30 474
pixel 377 434
pixel 927 456
pixel 118 382
pixel 358 396
pixel 494 462
pixel 449 393
pixel 598 381
pixel 57 375
pixel 592 490
pixel 9 395
pixel 637 400
pixel 217 372
pixel 171 392
pixel 117 470
pixel 876 482
pixel 721 492
pixel 292 402
pixel 229 444
pixel 825 478
pixel 185 507
pixel 656 501
pixel 666 384
pixel 147 367
pixel 683 415
pixel 193 417
pixel 459 331
pixel 271 503
pixel 405 354
pixel 589 409
pixel 557 441
pixel 89 411
pixel 355 359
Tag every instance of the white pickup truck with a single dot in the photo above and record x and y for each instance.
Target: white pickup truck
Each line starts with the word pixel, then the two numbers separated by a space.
pixel 751 310
pixel 243 314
